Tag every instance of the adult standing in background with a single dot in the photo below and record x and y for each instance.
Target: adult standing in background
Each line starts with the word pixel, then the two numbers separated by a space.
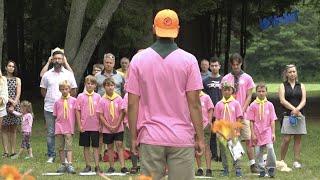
pixel 164 107
pixel 10 121
pixel 292 95
pixel 50 91
pixel 109 71
pixel 212 87
pixel 3 100
pixel 124 63
pixel 243 84
pixel 204 66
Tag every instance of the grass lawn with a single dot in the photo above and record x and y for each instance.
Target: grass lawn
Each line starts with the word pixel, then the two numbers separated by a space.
pixel 310 150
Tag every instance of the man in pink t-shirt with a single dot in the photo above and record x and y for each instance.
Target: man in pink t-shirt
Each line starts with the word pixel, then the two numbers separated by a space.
pixel 163 83
pixel 243 85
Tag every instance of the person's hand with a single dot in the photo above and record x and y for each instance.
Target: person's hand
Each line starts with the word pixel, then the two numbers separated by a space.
pixel 273 137
pixel 134 146
pixel 50 60
pixel 64 60
pixel 81 129
pixel 254 139
pixel 295 112
pixel 11 109
pixel 199 146
pixel 15 103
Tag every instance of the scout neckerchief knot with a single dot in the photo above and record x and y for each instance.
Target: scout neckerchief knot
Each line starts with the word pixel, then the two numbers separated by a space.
pixel 261 106
pixel 226 106
pixel 236 80
pixel 111 106
pixel 65 106
pixel 90 99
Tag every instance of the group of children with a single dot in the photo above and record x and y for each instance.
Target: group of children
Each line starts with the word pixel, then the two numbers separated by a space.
pixel 262 115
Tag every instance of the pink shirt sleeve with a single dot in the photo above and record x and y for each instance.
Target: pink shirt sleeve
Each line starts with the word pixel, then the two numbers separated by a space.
pixel 30 120
pixel 100 106
pixel 55 108
pixel 132 84
pixel 250 83
pixel 250 112
pixel 273 113
pixel 238 110
pixel 209 103
pixel 194 81
pixel 216 112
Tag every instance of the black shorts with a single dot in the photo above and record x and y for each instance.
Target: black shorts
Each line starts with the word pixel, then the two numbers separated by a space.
pixel 87 137
pixel 110 138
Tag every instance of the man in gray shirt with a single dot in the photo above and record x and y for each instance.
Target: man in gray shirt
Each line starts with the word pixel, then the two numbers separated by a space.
pixel 109 71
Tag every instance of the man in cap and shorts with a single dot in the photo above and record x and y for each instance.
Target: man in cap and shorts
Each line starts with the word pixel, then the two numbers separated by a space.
pixel 164 125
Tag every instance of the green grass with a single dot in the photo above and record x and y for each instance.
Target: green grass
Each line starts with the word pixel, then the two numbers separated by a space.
pixel 310 157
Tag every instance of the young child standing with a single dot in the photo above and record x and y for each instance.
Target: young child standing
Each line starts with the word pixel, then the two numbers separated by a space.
pixel 88 122
pixel 228 109
pixel 111 116
pixel 64 111
pixel 26 126
pixel 207 113
pixel 262 115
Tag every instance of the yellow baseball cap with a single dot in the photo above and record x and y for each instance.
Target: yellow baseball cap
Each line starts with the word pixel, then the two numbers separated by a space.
pixel 166 23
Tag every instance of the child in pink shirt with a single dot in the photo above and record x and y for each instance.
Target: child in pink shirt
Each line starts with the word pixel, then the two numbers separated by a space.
pixel 26 126
pixel 111 116
pixel 228 109
pixel 207 114
pixel 88 122
pixel 64 111
pixel 262 115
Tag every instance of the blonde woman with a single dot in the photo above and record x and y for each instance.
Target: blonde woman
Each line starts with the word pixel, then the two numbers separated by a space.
pixel 3 101
pixel 292 95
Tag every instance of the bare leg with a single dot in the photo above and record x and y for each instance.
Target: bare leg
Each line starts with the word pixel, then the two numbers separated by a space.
pixel 208 155
pixel 110 154
pixel 297 147
pixel 198 161
pixel 96 156
pixel 249 150
pixel 119 146
pixel 284 146
pixel 86 153
pixel 5 139
pixel 30 152
pixel 12 138
pixel 69 157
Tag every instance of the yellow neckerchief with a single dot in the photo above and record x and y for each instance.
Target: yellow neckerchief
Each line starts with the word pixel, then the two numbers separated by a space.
pixel 111 106
pixel 261 106
pixel 226 106
pixel 65 106
pixel 90 99
pixel 201 93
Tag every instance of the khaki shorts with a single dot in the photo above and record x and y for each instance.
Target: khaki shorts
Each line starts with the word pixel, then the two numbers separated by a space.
pixel 180 161
pixel 64 142
pixel 245 133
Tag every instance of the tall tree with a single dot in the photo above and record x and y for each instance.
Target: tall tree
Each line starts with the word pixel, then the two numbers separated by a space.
pixel 91 39
pixel 1 29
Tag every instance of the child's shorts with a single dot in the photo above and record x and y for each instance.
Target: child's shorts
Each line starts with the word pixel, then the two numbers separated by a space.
pixel 110 138
pixel 89 137
pixel 25 144
pixel 64 142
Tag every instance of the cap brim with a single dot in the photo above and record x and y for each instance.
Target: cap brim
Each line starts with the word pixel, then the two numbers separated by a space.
pixel 170 33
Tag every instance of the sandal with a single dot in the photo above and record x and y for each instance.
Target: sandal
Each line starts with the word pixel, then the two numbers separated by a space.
pixel 13 154
pixel 5 155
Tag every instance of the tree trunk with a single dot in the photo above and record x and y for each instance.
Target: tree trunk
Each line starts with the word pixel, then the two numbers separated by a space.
pixel 92 38
pixel 1 29
pixel 20 38
pixel 228 36
pixel 12 31
pixel 243 38
pixel 73 35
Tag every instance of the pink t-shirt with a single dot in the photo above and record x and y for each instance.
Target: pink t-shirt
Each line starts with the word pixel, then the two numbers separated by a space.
pixel 88 122
pixel 245 83
pixel 164 116
pixel 206 105
pixel 262 128
pixel 235 111
pixel 125 107
pixel 65 125
pixel 26 124
pixel 103 108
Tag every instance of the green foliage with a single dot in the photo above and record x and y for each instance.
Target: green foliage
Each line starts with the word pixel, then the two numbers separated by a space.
pixel 296 43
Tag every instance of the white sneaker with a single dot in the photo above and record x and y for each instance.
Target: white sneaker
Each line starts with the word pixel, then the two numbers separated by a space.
pixel 50 160
pixel 66 161
pixel 296 165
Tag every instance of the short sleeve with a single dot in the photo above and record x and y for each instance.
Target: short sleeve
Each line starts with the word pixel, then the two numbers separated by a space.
pixel 72 80
pixel 125 102
pixel 30 120
pixel 239 113
pixel 216 112
pixel 44 81
pixel 194 80
pixel 78 102
pixel 250 113
pixel 250 83
pixel 132 84
pixel 100 106
pixel 273 113
pixel 209 103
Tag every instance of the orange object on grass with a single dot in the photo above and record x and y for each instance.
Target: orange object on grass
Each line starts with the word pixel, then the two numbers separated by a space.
pixel 227 129
pixel 12 173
